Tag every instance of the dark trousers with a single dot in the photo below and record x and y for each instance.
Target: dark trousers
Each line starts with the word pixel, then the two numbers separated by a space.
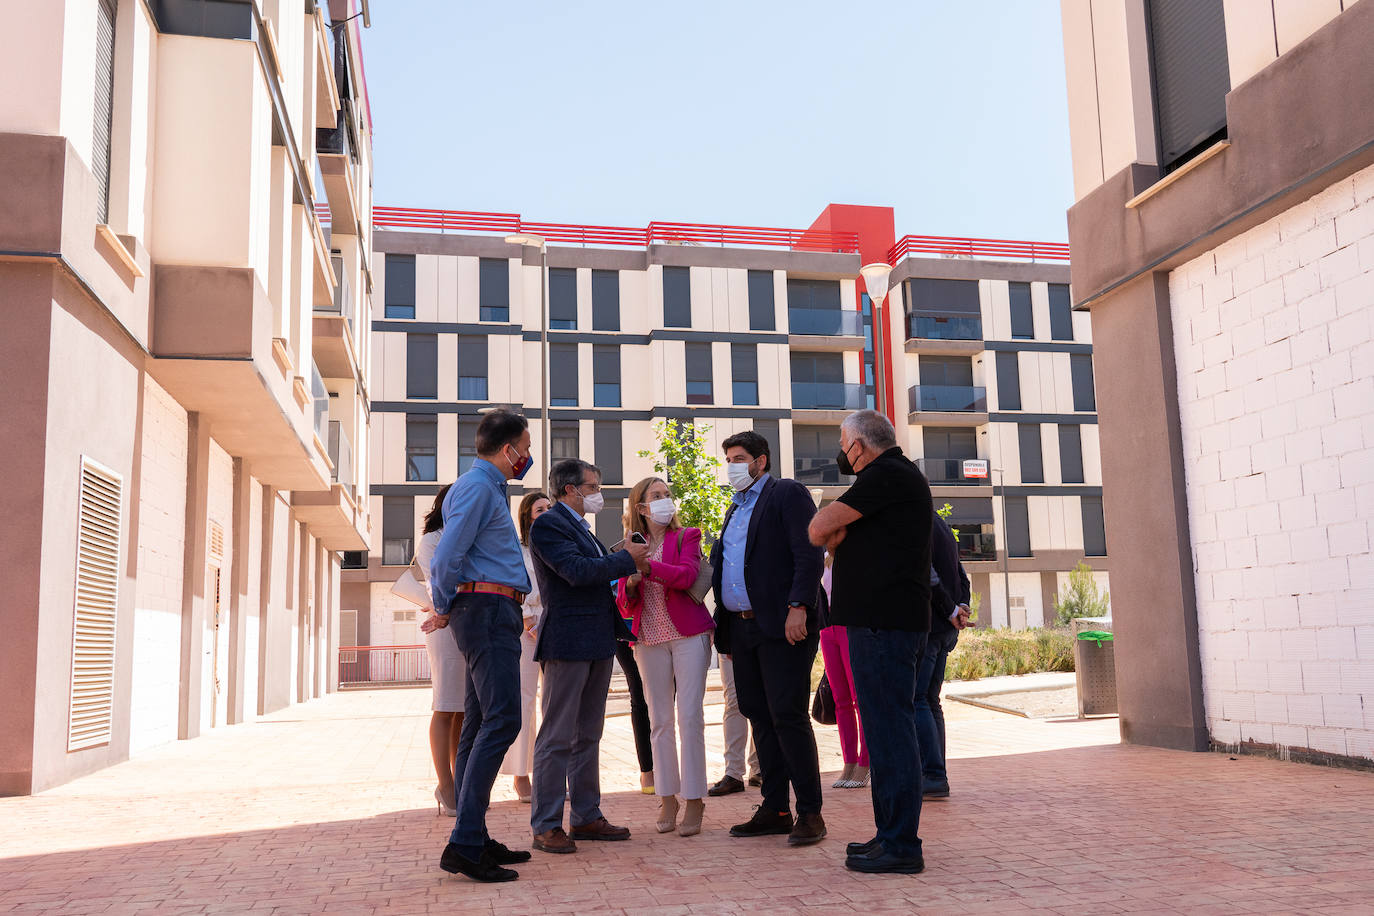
pixel 773 684
pixel 487 629
pixel 930 717
pixel 884 663
pixel 639 708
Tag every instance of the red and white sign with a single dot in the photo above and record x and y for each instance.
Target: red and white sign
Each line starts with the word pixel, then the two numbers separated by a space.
pixel 976 467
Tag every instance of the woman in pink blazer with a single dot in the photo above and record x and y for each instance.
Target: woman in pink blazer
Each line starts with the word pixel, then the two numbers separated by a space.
pixel 672 649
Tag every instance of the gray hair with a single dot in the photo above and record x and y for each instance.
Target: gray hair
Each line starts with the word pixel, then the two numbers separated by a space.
pixel 569 472
pixel 872 427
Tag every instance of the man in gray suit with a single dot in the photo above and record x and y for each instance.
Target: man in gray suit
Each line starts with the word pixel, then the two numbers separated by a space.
pixel 576 645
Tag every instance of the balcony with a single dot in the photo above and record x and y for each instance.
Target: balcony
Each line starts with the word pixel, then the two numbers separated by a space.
pixel 975 546
pixel 341 454
pixel 948 472
pixel 819 472
pixel 332 328
pixel 338 158
pixel 948 405
pixel 944 334
pixel 827 396
pixel 825 329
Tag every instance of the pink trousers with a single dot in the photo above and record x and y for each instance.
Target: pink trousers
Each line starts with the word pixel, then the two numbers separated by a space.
pixel 835 652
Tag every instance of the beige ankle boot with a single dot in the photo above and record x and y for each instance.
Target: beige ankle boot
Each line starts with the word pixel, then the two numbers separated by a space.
pixel 691 820
pixel 667 814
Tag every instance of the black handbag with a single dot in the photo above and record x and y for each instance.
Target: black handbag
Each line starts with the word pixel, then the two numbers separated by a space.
pixel 823 706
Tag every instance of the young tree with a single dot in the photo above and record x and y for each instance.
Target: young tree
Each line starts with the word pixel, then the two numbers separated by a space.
pixel 1082 597
pixel 691 476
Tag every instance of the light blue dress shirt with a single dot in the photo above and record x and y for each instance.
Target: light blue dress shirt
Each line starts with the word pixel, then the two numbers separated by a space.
pixel 733 542
pixel 479 542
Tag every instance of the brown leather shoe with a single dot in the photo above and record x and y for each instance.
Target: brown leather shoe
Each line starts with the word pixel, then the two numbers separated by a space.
pixel 554 840
pixel 600 829
pixel 810 829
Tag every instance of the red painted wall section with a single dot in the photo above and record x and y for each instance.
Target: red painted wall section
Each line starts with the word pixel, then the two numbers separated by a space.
pixel 877 231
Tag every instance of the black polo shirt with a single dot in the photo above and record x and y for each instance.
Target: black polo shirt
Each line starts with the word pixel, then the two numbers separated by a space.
pixel 881 574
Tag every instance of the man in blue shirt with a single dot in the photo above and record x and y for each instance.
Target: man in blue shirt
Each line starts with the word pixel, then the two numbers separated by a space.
pixel 478 581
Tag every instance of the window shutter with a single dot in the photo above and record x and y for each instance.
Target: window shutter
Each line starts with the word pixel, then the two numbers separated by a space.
pixel 97 597
pixel 104 106
pixel 1191 76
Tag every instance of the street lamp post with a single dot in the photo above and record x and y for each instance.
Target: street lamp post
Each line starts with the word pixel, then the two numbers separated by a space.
pixel 876 276
pixel 538 241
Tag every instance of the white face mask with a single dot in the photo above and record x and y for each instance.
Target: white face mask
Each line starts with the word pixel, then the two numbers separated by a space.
pixel 662 511
pixel 738 474
pixel 593 503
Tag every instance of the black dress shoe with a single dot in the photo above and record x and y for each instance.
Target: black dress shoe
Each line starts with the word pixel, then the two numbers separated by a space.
pixel 936 790
pixel 810 829
pixel 764 823
pixel 860 849
pixel 502 854
pixel 881 862
pixel 728 785
pixel 484 869
pixel 756 781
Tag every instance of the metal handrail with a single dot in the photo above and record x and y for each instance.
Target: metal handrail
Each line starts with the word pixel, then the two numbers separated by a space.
pixel 955 246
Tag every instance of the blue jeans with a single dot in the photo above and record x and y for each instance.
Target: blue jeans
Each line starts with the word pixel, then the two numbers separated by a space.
pixel 884 663
pixel 930 718
pixel 488 629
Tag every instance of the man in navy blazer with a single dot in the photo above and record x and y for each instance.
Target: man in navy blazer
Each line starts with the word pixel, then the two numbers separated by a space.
pixel 766 575
pixel 575 647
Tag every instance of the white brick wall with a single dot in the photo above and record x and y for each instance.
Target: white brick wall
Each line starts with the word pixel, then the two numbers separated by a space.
pixel 1272 334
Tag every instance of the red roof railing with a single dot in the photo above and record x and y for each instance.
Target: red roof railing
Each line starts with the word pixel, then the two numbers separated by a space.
pixel 976 248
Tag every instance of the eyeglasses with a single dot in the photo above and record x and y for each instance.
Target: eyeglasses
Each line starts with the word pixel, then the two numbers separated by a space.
pixel 595 488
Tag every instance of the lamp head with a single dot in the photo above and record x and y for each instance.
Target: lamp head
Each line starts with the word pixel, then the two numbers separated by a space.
pixel 875 279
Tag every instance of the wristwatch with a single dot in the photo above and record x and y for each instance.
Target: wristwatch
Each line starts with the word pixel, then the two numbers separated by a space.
pixel 796 604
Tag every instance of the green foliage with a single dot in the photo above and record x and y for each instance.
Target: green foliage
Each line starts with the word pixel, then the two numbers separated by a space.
pixel 1082 598
pixel 992 653
pixel 691 474
pixel 945 512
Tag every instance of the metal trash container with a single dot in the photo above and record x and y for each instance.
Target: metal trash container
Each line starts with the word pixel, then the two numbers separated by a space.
pixel 1094 662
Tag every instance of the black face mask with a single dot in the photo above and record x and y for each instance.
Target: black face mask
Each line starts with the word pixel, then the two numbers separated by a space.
pixel 842 459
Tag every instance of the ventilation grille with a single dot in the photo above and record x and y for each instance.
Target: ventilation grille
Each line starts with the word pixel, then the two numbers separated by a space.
pixel 97 596
pixel 216 540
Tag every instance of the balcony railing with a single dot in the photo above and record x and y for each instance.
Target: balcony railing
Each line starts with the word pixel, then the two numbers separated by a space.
pixel 951 398
pixel 948 246
pixel 948 472
pixel 977 546
pixel 825 322
pixel 343 293
pixel 362 666
pixel 819 471
pixel 341 453
pixel 321 397
pixel 827 396
pixel 931 327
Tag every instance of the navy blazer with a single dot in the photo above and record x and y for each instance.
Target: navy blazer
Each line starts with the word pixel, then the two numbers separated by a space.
pixel 781 565
pixel 953 589
pixel 581 621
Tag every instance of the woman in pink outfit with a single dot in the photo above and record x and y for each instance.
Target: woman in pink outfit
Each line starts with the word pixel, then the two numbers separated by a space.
pixel 835 652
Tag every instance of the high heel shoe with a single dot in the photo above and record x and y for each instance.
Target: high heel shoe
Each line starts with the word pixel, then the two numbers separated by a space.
pixel 667 814
pixel 846 775
pixel 859 778
pixel 691 820
pixel 444 809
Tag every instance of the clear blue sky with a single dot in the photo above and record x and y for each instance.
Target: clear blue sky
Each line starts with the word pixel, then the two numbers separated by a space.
pixel 745 112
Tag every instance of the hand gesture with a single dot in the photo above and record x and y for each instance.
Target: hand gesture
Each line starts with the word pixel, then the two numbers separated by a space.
pixel 640 553
pixel 434 622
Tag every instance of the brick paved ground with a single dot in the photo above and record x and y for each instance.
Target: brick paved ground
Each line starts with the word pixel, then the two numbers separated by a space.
pixel 326 808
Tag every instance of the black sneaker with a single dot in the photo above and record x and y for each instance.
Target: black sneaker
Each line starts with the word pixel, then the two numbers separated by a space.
pixel 484 869
pixel 881 862
pixel 764 823
pixel 502 854
pixel 936 790
pixel 860 849
pixel 728 785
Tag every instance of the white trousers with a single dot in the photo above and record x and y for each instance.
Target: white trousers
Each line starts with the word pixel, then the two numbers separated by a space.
pixel 520 758
pixel 736 727
pixel 674 676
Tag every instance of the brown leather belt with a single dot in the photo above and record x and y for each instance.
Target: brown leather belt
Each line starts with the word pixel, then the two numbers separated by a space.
pixel 491 588
pixel 746 615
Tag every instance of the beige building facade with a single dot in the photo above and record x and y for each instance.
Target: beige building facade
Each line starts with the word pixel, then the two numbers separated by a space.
pixel 186 356
pixel 1223 245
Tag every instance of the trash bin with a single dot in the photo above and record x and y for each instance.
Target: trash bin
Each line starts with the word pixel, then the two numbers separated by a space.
pixel 1094 662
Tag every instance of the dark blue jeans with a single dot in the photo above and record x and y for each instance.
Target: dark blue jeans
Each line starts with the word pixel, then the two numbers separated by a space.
pixel 487 628
pixel 930 718
pixel 884 663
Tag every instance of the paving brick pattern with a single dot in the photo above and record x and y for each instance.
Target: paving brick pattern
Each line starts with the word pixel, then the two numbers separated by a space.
pixel 325 808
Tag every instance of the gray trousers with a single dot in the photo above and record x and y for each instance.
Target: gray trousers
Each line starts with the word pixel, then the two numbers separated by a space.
pixel 567 750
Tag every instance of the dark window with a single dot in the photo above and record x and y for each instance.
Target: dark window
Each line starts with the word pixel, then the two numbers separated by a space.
pixel 677 297
pixel 1081 371
pixel 744 373
pixel 699 373
pixel 104 106
pixel 422 366
pixel 398 530
pixel 1191 77
pixel 820 295
pixel 1061 312
pixel 1094 531
pixel 928 296
pixel 1022 319
pixel 422 442
pixel 945 449
pixel 563 375
pixel 762 316
pixel 1018 527
pixel 467 442
pixel 768 429
pixel 946 370
pixel 817 367
pixel 813 455
pixel 564 439
pixel 493 289
pixel 610 522
pixel 353 559
pixel 606 376
pixel 605 300
pixel 400 286
pixel 563 298
pixel 1032 458
pixel 472 368
pixel 1008 381
pixel 607 449
pixel 1071 453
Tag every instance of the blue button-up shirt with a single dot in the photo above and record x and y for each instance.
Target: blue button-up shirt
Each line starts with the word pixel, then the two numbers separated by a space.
pixel 479 542
pixel 733 541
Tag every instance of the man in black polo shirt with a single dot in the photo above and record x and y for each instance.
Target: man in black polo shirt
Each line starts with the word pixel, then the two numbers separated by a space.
pixel 879 532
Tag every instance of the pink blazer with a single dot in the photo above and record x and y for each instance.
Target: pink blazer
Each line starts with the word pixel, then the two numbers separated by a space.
pixel 677 571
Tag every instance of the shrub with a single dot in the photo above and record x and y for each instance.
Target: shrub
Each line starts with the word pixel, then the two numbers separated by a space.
pixel 1081 598
pixel 992 653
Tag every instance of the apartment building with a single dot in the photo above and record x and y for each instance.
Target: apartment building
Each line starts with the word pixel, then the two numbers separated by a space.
pixel 733 328
pixel 185 359
pixel 1223 245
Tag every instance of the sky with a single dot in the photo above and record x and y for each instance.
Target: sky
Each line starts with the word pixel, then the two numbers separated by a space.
pixel 751 113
